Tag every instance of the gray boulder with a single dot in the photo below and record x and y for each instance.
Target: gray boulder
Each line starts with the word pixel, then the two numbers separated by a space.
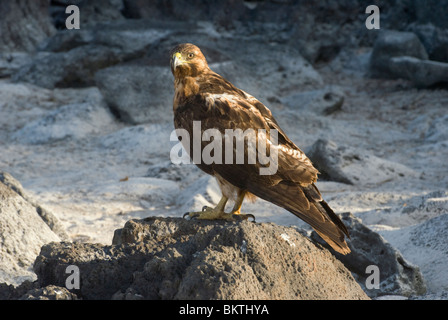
pixel 391 44
pixel 71 121
pixel 353 166
pixel 138 93
pixel 279 71
pixel 72 57
pixel 396 275
pixel 74 68
pixel 128 36
pixel 174 258
pixel 322 101
pixel 24 230
pixel 398 54
pixel 423 73
pixel 51 220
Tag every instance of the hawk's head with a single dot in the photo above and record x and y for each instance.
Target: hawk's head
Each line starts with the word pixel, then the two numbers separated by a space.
pixel 187 60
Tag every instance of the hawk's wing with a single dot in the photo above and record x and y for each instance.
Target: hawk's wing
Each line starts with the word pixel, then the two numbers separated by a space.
pixel 291 186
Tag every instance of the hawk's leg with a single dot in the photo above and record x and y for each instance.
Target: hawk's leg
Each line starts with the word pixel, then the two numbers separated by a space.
pixel 237 207
pixel 218 212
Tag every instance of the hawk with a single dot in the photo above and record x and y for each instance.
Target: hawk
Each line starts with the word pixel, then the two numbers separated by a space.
pixel 205 97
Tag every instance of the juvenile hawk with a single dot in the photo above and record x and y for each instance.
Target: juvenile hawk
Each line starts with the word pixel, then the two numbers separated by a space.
pixel 204 97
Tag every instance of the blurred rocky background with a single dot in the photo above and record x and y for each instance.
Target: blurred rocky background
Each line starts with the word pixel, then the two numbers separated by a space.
pixel 85 171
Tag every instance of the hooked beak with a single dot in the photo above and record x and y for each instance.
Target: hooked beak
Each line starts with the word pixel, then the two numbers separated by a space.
pixel 176 60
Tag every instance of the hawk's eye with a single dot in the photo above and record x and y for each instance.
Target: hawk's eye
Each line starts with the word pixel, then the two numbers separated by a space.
pixel 190 55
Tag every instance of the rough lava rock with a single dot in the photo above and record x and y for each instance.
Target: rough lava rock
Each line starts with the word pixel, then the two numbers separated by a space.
pixel 174 258
pixel 49 293
pixel 396 275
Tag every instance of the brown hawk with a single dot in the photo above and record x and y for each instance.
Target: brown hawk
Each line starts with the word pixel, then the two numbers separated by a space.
pixel 205 97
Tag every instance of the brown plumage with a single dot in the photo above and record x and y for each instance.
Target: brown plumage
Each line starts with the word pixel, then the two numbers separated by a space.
pixel 203 95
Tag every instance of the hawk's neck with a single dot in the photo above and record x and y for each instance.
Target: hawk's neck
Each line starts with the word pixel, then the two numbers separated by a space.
pixel 184 88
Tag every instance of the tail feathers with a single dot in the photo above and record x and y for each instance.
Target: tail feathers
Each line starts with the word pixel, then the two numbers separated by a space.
pixel 333 231
pixel 329 226
pixel 336 220
pixel 339 246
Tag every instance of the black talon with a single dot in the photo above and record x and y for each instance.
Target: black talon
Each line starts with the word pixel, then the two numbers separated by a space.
pixel 251 216
pixel 191 217
pixel 241 217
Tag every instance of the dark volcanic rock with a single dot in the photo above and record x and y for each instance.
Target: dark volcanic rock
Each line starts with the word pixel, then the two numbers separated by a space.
pixel 49 293
pixel 396 275
pixel 172 258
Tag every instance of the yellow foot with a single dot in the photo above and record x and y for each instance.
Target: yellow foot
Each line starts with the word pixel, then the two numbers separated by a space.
pixel 242 216
pixel 208 213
